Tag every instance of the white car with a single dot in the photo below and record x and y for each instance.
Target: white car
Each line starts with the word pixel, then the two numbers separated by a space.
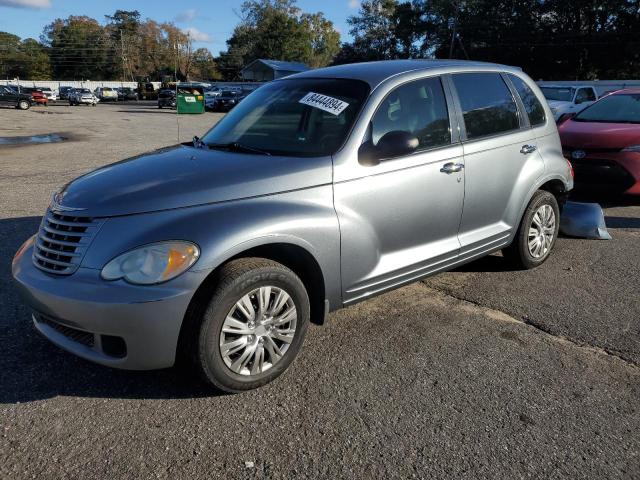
pixel 210 98
pixel 106 94
pixel 568 99
pixel 84 96
pixel 52 95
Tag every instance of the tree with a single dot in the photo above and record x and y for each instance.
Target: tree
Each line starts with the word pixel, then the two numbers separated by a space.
pixel 277 29
pixel 123 29
pixel 204 65
pixel 551 39
pixel 387 29
pixel 23 58
pixel 79 47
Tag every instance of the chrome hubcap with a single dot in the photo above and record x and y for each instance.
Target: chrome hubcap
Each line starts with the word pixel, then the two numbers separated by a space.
pixel 541 231
pixel 258 330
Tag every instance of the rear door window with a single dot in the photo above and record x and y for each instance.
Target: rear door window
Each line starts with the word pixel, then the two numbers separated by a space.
pixel 532 105
pixel 487 105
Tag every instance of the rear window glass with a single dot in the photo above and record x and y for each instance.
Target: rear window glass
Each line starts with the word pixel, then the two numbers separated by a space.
pixel 532 105
pixel 488 107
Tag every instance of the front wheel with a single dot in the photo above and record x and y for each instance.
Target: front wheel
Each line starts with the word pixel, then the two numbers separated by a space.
pixel 23 105
pixel 537 232
pixel 253 326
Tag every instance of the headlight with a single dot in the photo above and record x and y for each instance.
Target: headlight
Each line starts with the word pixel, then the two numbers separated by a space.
pixel 153 263
pixel 632 148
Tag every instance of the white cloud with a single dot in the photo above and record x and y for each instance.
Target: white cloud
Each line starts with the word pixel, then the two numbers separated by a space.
pixel 354 3
pixel 197 36
pixel 26 3
pixel 187 16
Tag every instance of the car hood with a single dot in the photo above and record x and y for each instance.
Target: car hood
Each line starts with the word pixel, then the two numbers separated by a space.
pixel 557 103
pixel 589 135
pixel 184 176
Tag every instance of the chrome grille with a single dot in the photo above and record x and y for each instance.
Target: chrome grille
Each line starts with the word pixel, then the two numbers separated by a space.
pixel 62 242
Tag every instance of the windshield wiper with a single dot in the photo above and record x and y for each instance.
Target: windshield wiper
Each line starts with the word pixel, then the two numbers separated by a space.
pixel 236 147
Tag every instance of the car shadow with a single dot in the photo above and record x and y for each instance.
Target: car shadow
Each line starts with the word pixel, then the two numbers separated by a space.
pixel 605 200
pixel 622 222
pixel 150 110
pixel 491 263
pixel 34 369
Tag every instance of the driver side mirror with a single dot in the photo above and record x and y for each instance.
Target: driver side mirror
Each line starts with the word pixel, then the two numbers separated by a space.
pixel 392 144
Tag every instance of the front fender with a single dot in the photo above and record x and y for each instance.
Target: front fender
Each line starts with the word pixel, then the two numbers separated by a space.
pixel 304 218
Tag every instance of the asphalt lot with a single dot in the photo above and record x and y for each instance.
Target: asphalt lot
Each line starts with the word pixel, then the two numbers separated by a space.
pixel 478 373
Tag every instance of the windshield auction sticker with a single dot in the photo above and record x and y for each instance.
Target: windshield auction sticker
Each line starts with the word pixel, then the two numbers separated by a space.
pixel 324 102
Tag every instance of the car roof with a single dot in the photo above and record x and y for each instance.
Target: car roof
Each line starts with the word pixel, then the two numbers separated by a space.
pixel 375 73
pixel 627 91
pixel 563 86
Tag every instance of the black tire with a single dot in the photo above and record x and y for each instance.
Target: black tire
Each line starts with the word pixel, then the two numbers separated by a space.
pixel 159 106
pixel 24 105
pixel 237 279
pixel 518 253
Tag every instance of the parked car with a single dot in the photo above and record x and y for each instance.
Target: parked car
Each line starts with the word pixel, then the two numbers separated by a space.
pixel 167 98
pixel 563 99
pixel 37 96
pixel 322 189
pixel 82 96
pixel 52 95
pixel 106 94
pixel 64 92
pixel 11 98
pixel 603 143
pixel 126 93
pixel 225 101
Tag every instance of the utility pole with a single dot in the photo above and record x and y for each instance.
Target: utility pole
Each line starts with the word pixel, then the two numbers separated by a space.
pixel 123 59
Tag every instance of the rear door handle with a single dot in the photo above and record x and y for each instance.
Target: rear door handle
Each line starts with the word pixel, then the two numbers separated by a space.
pixel 451 167
pixel 527 149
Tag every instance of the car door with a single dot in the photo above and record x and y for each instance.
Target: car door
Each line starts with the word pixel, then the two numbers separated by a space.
pixel 399 219
pixel 501 160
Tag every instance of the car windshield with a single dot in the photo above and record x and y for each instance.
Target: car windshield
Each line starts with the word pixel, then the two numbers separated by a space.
pixel 619 108
pixel 296 117
pixel 84 90
pixel 563 94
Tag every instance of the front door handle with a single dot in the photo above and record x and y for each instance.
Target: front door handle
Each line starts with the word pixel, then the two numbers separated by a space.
pixel 527 149
pixel 451 167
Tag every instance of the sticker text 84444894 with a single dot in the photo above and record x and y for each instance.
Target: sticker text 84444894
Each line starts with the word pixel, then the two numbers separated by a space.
pixel 324 102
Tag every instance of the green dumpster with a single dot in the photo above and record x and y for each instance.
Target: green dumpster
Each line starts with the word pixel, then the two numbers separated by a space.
pixel 190 102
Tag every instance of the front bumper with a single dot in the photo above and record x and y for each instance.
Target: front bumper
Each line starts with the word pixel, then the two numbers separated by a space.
pixel 111 323
pixel 611 172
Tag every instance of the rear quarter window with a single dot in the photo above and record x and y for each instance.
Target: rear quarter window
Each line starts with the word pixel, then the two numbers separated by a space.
pixel 532 105
pixel 487 105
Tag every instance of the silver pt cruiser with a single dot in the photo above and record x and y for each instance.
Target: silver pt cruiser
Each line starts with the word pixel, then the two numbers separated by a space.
pixel 317 191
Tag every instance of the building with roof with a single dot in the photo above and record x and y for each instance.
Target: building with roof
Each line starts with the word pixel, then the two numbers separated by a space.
pixel 262 70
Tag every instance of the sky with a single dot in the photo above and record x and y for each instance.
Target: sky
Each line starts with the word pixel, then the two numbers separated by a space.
pixel 210 22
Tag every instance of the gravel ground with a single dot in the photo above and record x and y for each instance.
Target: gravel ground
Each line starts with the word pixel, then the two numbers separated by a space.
pixel 478 373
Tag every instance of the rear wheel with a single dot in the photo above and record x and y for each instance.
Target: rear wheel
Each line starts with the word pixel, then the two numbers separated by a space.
pixel 24 105
pixel 537 232
pixel 253 327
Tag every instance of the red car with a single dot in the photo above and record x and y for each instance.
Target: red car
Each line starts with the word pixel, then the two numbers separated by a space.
pixel 602 142
pixel 37 96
